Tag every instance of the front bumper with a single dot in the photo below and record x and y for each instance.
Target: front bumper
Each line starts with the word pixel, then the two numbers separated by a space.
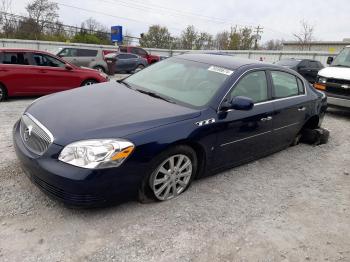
pixel 335 101
pixel 72 185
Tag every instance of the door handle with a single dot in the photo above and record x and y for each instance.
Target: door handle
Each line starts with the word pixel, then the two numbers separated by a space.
pixel 265 119
pixel 301 109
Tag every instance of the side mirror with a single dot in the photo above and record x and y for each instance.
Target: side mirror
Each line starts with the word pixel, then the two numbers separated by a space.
pixel 239 103
pixel 330 60
pixel 68 67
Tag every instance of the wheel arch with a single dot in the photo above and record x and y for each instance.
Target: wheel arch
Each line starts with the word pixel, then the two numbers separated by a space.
pixel 312 123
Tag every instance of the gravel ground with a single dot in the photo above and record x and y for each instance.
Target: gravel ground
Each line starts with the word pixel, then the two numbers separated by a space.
pixel 291 206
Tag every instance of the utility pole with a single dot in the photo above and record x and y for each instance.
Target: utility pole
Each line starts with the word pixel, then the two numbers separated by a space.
pixel 258 31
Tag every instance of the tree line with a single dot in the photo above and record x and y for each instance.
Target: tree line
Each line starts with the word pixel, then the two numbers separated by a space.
pixel 41 22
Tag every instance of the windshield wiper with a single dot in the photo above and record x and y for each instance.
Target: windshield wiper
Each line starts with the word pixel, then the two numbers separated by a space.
pixel 155 95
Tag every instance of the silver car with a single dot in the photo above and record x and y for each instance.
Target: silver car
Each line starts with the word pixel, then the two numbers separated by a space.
pixel 86 57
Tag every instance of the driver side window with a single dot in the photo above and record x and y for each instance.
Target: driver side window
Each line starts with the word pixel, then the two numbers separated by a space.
pixel 253 85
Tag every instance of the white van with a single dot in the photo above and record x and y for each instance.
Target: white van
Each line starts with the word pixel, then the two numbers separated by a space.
pixel 335 79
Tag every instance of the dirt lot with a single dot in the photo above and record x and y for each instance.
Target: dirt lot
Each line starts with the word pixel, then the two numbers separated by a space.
pixel 292 206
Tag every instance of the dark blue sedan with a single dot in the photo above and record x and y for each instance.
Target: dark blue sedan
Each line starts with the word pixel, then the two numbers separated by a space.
pixel 151 134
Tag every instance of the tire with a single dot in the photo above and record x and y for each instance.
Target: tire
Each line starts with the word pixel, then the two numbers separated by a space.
pixel 100 68
pixel 140 67
pixel 317 136
pixel 165 183
pixel 3 93
pixel 89 82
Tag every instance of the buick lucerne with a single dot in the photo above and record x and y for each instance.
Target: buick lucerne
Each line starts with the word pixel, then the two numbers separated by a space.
pixel 151 134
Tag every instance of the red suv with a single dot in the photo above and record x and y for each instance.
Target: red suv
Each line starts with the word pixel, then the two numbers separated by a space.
pixel 29 72
pixel 141 52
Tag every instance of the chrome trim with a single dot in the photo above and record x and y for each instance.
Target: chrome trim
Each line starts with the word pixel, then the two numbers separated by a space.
pixel 338 101
pixel 239 140
pixel 266 102
pixel 280 128
pixel 206 122
pixel 41 126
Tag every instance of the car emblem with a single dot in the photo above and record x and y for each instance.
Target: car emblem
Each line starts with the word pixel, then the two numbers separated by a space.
pixel 345 86
pixel 206 122
pixel 27 133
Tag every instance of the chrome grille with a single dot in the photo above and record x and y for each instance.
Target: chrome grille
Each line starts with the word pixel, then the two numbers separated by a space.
pixel 35 136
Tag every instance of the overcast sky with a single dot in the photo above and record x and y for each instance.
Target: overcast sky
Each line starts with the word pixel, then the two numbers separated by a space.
pixel 280 19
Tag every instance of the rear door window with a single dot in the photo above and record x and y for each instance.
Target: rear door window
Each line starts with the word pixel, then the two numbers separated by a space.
pixel 123 49
pixel 15 58
pixel 285 84
pixel 68 52
pixel 87 53
pixel 126 56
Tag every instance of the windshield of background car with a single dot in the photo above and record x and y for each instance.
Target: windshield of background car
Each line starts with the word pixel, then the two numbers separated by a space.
pixel 343 59
pixel 189 82
pixel 288 63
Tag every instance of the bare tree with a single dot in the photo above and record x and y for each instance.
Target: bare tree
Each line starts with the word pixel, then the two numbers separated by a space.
pixel 222 40
pixel 305 36
pixel 7 26
pixel 42 12
pixel 273 45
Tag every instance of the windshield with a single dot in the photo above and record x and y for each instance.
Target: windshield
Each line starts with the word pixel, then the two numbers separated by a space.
pixel 289 63
pixel 343 59
pixel 180 80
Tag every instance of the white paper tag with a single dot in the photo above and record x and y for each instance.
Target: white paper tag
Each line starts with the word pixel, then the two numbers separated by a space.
pixel 220 70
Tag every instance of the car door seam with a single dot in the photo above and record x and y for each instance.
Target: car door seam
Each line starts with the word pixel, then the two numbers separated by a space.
pixel 249 137
pixel 282 127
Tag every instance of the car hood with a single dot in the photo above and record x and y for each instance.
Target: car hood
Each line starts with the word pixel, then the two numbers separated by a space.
pixel 335 72
pixel 108 110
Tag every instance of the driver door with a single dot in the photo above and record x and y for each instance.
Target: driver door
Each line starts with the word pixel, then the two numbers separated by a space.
pixel 246 135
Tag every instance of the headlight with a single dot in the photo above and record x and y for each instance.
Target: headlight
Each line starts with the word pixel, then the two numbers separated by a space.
pixel 103 75
pixel 97 154
pixel 322 80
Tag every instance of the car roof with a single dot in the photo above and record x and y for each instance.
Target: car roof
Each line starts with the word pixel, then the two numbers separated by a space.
pixel 226 61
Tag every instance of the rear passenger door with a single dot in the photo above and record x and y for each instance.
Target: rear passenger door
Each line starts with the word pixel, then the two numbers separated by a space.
pixel 290 107
pixel 16 73
pixel 85 57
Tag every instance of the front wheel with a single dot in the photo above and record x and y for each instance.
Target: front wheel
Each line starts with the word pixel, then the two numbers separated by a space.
pixel 172 174
pixel 3 93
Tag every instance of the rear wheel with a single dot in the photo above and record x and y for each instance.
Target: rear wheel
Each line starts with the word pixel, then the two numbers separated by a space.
pixel 89 82
pixel 172 174
pixel 140 67
pixel 3 93
pixel 316 136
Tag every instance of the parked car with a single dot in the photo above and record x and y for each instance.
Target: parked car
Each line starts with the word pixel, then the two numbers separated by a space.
pixel 151 59
pixel 28 72
pixel 157 130
pixel 335 79
pixel 87 57
pixel 129 62
pixel 306 67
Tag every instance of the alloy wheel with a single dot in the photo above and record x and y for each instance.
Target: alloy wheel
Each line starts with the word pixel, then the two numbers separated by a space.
pixel 172 177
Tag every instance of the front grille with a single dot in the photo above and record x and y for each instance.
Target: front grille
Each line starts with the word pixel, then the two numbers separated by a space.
pixel 338 87
pixel 35 136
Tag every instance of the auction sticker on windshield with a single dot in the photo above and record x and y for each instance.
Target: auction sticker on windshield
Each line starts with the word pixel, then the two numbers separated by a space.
pixel 220 70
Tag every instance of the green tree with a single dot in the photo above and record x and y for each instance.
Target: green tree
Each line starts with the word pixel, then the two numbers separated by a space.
pixel 188 37
pixel 204 41
pixel 156 37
